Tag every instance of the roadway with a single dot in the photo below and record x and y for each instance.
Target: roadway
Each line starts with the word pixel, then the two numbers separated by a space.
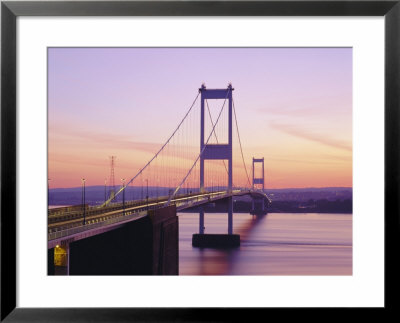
pixel 66 221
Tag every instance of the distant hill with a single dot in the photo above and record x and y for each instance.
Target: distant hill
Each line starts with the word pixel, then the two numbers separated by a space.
pixel 309 189
pixel 306 194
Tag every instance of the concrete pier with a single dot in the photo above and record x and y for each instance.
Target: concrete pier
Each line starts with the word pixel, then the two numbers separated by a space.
pixel 216 240
pixel 50 261
pixel 147 246
pixel 258 207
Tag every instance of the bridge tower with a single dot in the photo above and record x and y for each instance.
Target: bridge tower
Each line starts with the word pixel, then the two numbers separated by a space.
pixel 256 182
pixel 216 152
pixel 259 180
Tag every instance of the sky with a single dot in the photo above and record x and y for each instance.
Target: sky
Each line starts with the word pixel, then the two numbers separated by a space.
pixel 293 106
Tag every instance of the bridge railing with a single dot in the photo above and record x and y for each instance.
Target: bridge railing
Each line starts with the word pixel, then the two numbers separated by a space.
pixel 116 219
pixel 120 217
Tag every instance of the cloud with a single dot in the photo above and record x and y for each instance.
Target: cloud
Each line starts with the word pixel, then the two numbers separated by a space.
pixel 312 136
pixel 105 140
pixel 284 110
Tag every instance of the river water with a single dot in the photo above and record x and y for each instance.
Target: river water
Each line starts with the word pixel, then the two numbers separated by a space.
pixel 275 244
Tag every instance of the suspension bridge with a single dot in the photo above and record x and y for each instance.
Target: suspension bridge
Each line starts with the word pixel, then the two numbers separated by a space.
pixel 194 167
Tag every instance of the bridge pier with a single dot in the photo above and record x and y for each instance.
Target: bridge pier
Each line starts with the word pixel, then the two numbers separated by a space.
pixel 230 215
pixel 147 246
pixel 201 220
pixel 216 240
pixel 228 240
pixel 255 201
pixel 258 206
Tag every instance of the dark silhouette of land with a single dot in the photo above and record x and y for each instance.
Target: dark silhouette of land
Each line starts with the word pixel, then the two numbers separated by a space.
pixel 290 200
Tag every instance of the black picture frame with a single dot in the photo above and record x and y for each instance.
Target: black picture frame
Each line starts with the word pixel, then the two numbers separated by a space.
pixel 11 10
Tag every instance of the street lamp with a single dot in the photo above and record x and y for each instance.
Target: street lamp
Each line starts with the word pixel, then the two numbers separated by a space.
pixel 105 190
pixel 123 196
pixel 158 183
pixel 142 190
pixel 147 196
pixel 48 191
pixel 83 201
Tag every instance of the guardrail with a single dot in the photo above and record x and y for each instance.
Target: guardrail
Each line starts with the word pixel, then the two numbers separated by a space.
pixel 116 219
pixel 119 217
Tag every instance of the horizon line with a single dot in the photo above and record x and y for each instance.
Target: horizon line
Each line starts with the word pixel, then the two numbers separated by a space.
pixel 266 188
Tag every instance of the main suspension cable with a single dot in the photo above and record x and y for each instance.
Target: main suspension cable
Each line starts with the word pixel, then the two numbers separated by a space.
pixel 201 153
pixel 240 143
pixel 155 156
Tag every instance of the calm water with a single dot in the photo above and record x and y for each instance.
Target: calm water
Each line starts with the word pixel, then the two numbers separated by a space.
pixel 276 244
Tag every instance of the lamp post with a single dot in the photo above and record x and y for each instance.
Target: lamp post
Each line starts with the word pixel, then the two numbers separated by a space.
pixel 142 191
pixel 105 190
pixel 83 201
pixel 123 196
pixel 147 196
pixel 48 191
pixel 158 182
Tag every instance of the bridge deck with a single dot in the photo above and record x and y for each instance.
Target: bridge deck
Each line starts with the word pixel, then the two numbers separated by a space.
pixel 62 225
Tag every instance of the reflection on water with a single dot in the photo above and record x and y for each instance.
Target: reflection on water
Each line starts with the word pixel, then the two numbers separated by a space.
pixel 276 244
